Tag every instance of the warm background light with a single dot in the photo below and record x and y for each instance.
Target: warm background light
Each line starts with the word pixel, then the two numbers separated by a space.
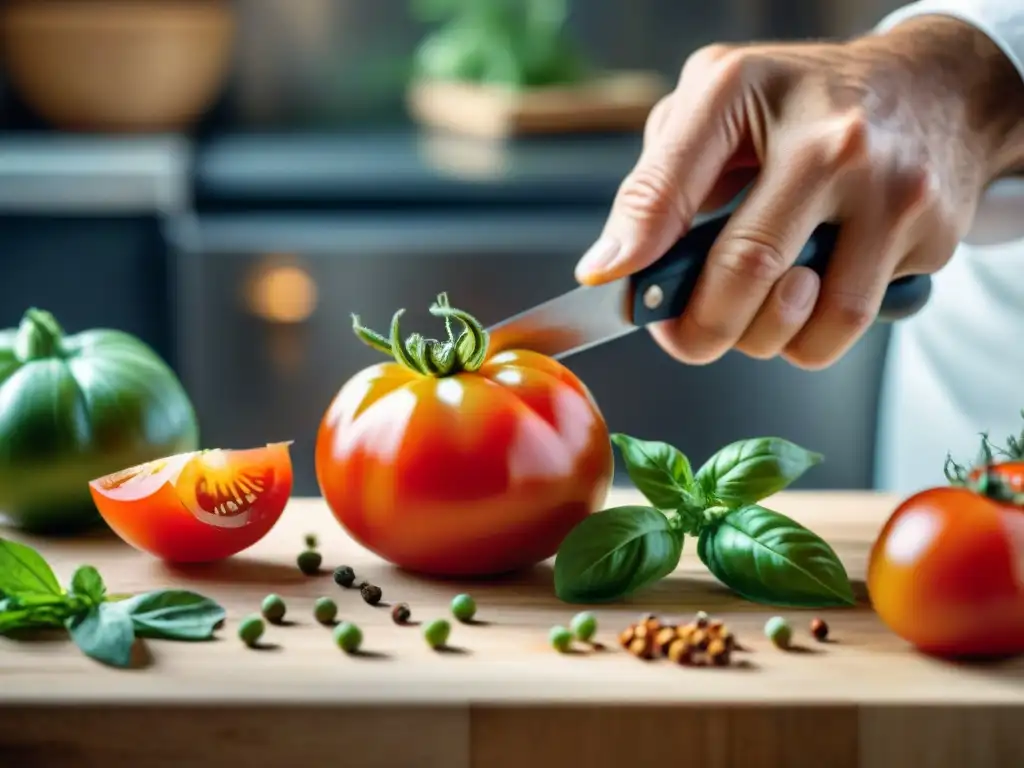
pixel 283 294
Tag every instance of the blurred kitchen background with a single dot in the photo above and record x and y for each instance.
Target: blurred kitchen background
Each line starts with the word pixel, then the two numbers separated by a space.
pixel 229 180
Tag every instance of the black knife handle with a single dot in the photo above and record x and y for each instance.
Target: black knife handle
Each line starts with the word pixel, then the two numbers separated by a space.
pixel 662 290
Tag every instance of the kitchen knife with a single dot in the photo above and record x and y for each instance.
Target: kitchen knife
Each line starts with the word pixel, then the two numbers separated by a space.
pixel 592 315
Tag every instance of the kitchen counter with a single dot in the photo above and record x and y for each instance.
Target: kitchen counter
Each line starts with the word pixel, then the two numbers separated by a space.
pixel 504 699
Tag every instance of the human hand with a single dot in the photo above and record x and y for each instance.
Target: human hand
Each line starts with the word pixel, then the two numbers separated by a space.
pixel 894 136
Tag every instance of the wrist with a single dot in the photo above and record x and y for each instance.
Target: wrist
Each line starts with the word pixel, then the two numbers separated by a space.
pixel 962 85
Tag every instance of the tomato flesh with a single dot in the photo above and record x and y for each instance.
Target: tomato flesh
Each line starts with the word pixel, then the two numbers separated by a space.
pixel 470 474
pixel 946 571
pixel 199 506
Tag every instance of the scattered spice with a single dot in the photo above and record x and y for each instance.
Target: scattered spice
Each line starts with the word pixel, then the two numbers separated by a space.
pixel 348 637
pixel 584 626
pixel 325 610
pixel 251 630
pixel 819 629
pixel 273 609
pixel 687 644
pixel 400 614
pixel 463 607
pixel 371 593
pixel 436 633
pixel 309 560
pixel 777 630
pixel 344 576
pixel 560 639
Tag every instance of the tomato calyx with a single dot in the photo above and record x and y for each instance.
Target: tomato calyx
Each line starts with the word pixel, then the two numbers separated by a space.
pixel 982 478
pixel 432 357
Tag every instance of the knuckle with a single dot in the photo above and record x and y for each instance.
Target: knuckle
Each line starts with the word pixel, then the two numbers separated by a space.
pixel 716 67
pixel 649 192
pixel 916 189
pixel 846 142
pixel 707 57
pixel 850 312
pixel 751 257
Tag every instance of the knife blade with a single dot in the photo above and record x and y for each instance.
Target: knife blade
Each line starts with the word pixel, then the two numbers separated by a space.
pixel 591 315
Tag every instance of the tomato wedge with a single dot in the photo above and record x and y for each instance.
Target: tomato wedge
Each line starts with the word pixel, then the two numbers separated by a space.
pixel 199 506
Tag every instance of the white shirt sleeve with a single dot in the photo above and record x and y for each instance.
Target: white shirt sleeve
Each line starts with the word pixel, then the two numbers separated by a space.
pixel 1001 20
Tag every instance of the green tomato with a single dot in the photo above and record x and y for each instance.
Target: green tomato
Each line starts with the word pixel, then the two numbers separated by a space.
pixel 76 408
pixel 560 639
pixel 348 637
pixel 325 610
pixel 584 626
pixel 273 609
pixel 436 633
pixel 251 630
pixel 463 607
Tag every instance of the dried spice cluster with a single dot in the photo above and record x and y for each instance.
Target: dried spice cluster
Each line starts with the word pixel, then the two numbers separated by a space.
pixel 701 642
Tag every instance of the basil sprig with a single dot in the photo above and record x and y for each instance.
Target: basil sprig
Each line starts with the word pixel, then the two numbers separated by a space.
pixel 103 626
pixel 760 554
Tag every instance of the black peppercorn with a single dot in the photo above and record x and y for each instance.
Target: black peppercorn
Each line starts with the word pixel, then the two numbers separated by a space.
pixel 344 576
pixel 401 613
pixel 371 593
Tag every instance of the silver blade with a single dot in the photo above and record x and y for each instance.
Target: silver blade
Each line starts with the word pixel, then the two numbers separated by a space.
pixel 563 326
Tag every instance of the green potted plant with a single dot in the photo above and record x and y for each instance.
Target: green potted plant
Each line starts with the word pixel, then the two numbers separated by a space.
pixel 499 67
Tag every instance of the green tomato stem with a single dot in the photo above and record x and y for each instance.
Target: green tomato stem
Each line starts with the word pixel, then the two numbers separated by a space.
pixel 431 357
pixel 39 336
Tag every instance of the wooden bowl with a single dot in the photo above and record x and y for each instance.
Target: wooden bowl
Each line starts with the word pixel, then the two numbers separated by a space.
pixel 118 65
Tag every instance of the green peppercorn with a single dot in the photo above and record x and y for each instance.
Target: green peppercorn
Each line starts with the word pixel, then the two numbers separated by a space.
pixel 325 610
pixel 777 630
pixel 251 630
pixel 344 576
pixel 584 626
pixel 273 609
pixel 310 539
pixel 463 607
pixel 560 638
pixel 348 637
pixel 309 562
pixel 436 633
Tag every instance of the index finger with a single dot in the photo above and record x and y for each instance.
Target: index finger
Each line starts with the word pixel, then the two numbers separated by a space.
pixel 678 168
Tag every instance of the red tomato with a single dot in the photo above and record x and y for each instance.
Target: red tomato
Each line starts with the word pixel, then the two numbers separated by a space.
pixel 946 574
pixel 199 506
pixel 481 469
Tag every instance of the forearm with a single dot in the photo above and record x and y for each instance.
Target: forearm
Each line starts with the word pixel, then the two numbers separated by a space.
pixel 970 53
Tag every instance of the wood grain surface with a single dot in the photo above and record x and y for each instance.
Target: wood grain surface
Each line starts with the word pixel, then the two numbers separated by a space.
pixel 502 697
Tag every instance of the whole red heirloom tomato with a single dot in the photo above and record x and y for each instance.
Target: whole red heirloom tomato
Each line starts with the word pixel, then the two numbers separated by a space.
pixel 450 463
pixel 946 573
pixel 199 506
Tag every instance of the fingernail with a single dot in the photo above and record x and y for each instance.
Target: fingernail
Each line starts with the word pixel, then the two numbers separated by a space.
pixel 599 257
pixel 799 290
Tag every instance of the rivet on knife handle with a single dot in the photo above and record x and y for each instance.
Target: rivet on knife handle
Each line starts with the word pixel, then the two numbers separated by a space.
pixel 662 290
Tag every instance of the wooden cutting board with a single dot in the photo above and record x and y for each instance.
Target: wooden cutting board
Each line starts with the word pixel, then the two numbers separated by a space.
pixel 505 699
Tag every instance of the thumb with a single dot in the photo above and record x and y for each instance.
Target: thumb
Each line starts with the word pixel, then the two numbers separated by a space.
pixel 656 203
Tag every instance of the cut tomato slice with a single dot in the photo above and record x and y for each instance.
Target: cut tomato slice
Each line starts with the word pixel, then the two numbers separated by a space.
pixel 198 506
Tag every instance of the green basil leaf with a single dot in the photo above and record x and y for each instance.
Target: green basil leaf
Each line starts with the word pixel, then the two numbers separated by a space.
pixel 768 558
pixel 173 614
pixel 88 584
pixel 659 471
pixel 105 634
pixel 25 571
pixel 750 470
pixel 34 617
pixel 615 552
